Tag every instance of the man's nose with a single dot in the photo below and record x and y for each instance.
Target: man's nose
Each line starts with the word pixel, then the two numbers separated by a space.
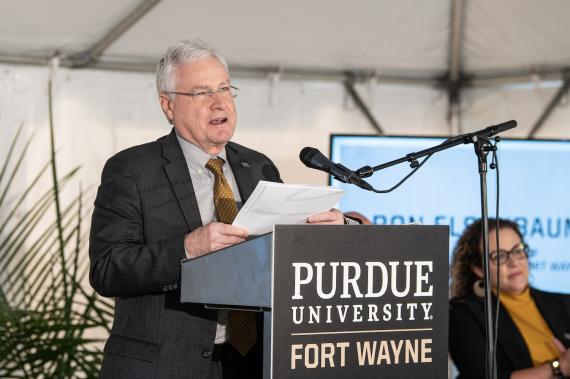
pixel 217 101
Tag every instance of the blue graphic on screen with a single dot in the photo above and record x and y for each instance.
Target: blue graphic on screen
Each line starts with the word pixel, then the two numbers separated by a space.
pixel 534 191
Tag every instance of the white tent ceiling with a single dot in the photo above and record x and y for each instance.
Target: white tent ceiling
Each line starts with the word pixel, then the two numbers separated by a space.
pixel 447 44
pixel 394 39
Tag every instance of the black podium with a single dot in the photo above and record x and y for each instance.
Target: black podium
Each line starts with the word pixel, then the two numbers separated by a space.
pixel 338 301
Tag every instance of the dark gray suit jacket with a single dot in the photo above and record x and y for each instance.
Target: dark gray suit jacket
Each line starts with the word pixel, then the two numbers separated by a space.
pixel 144 207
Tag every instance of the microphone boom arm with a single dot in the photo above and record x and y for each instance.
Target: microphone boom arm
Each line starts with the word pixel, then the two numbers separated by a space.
pixel 367 171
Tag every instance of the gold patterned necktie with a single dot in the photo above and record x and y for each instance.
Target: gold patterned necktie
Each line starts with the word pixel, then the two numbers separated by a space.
pixel 241 326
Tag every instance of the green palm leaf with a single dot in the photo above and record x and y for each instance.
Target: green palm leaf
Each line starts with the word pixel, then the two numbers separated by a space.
pixel 49 321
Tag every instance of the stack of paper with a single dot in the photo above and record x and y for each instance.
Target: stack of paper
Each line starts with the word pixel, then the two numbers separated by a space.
pixel 277 203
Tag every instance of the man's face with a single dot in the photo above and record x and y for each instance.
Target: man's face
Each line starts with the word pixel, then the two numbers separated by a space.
pixel 207 121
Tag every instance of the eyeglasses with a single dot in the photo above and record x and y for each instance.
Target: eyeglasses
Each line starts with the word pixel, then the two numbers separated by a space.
pixel 204 95
pixel 518 252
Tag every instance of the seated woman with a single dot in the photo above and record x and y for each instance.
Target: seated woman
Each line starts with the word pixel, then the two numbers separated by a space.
pixel 534 326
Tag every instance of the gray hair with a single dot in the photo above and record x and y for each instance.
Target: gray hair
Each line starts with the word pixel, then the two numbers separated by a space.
pixel 183 52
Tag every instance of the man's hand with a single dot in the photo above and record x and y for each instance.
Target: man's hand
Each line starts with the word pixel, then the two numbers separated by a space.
pixel 211 237
pixel 332 217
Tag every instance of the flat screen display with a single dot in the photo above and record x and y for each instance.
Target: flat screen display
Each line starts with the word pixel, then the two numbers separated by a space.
pixel 534 192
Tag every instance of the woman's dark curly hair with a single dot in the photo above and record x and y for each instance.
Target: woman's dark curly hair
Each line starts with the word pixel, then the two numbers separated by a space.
pixel 467 254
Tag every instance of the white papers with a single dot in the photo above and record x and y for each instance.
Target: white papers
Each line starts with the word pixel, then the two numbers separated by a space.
pixel 277 203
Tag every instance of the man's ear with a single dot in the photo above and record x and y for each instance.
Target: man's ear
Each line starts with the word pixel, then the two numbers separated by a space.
pixel 478 271
pixel 166 105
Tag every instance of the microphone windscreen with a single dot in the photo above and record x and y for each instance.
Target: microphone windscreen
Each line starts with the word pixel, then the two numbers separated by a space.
pixel 306 154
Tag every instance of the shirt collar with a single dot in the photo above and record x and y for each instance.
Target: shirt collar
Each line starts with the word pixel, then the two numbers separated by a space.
pixel 195 155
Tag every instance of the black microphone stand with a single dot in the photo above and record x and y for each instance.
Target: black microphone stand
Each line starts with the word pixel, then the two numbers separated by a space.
pixel 483 146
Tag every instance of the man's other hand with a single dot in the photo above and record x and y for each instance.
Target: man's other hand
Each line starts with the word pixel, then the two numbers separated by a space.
pixel 332 217
pixel 211 237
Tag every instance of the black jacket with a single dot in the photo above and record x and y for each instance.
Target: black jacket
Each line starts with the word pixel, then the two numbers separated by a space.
pixel 467 333
pixel 144 207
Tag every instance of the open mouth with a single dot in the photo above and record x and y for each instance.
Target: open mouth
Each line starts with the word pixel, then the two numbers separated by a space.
pixel 218 121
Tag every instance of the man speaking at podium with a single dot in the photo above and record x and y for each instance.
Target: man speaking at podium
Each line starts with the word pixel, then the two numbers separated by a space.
pixel 172 199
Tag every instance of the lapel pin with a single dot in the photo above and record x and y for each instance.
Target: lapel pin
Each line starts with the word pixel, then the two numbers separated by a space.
pixel 244 164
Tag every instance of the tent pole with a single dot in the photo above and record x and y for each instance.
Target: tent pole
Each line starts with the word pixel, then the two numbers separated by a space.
pixel 454 80
pixel 92 54
pixel 551 106
pixel 349 86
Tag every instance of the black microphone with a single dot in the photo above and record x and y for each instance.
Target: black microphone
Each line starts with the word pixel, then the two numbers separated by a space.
pixel 313 158
pixel 495 129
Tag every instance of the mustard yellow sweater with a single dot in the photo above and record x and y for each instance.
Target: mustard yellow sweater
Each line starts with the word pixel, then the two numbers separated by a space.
pixel 531 324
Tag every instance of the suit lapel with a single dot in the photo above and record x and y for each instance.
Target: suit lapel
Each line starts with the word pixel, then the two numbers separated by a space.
pixel 180 180
pixel 242 169
pixel 553 313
